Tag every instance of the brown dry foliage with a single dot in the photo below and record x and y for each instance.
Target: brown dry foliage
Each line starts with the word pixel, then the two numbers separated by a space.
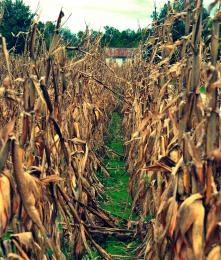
pixel 54 113
pixel 172 143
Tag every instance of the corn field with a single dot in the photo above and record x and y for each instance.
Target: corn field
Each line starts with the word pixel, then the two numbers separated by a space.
pixel 55 112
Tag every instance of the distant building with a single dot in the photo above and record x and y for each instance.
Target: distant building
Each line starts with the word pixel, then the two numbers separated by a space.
pixel 119 55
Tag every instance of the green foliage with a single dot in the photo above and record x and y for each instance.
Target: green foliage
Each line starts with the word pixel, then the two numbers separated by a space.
pixel 47 30
pixel 126 39
pixel 69 38
pixel 7 235
pixel 50 253
pixel 178 29
pixel 117 201
pixel 16 19
pixel 203 90
pixel 149 216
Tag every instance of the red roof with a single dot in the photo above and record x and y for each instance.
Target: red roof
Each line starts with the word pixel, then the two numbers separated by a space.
pixel 120 52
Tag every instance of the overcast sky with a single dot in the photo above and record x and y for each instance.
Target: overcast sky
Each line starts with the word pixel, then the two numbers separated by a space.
pixel 121 14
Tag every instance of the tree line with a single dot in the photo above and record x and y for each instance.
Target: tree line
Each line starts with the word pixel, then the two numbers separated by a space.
pixel 17 17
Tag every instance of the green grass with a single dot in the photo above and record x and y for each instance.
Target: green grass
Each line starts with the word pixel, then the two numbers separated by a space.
pixel 117 201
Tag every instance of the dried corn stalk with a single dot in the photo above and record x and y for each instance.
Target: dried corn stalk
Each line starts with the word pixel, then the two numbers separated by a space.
pixel 172 131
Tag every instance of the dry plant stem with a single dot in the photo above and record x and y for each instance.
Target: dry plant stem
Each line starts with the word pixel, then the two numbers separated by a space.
pixel 101 251
pixel 173 153
pixel 118 95
pixel 61 120
pixel 6 55
pixel 27 198
pixel 92 210
pixel 80 222
pixel 212 139
pixel 92 55
pixel 169 99
pixel 32 40
pixel 21 251
pixel 215 41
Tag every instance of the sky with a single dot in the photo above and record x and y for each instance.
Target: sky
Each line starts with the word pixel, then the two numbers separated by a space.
pixel 121 14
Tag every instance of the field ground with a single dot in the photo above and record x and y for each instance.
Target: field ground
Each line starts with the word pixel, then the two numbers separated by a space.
pixel 117 200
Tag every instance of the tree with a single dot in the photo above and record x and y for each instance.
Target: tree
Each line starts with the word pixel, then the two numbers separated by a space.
pixel 111 36
pixel 178 29
pixel 15 23
pixel 69 37
pixel 126 39
pixel 47 31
